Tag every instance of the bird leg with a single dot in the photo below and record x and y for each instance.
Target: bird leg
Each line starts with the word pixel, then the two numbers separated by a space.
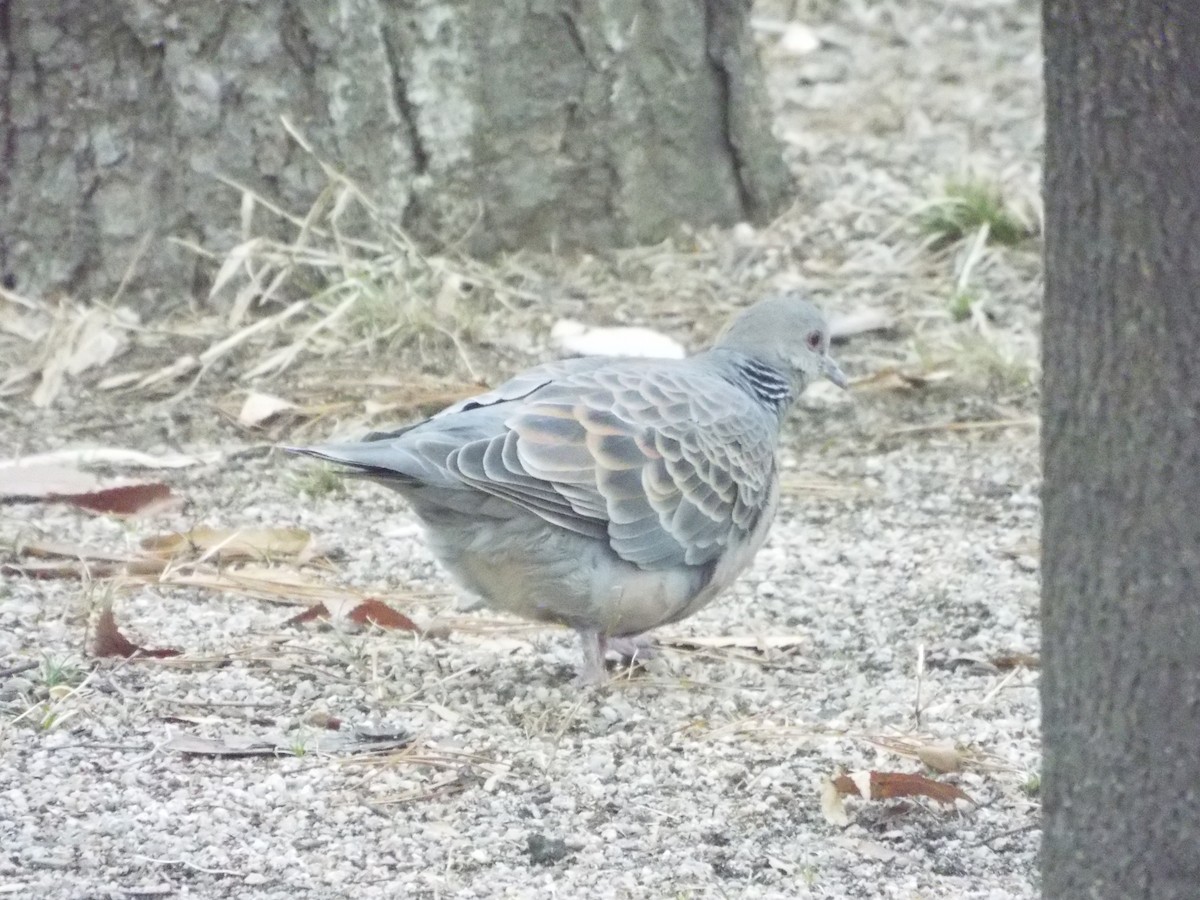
pixel 594 646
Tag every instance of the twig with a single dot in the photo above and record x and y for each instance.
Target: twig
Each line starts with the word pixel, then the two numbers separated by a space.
pixel 920 682
pixel 999 687
pixel 1030 421
pixel 1020 829
pixel 17 669
pixel 188 865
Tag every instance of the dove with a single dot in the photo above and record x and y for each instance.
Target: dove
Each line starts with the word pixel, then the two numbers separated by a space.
pixel 612 495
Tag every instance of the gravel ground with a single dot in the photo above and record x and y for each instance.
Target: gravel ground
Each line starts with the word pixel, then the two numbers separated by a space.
pixel 901 568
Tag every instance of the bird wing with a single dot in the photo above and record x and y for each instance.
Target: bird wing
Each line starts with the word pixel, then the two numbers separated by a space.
pixel 670 464
pixel 667 462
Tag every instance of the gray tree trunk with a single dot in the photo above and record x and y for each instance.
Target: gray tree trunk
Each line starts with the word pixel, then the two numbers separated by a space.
pixel 1121 443
pixel 513 122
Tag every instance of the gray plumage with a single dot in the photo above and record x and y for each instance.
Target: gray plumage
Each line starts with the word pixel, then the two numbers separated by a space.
pixel 612 495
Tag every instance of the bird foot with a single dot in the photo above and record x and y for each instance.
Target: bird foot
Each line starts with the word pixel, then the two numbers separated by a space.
pixel 634 648
pixel 631 650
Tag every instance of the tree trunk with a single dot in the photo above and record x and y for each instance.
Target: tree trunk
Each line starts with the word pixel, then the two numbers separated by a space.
pixel 514 123
pixel 1121 445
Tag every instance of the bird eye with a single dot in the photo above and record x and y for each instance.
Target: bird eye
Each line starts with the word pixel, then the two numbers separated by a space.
pixel 813 340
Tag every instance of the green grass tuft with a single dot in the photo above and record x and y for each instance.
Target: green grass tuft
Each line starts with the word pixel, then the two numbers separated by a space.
pixel 967 206
pixel 961 303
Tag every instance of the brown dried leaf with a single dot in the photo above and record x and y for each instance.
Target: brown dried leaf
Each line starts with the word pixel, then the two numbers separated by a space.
pixel 376 612
pixel 109 641
pixel 368 612
pixel 233 543
pixel 145 499
pixel 314 612
pixel 890 785
pixel 1008 661
pixel 56 484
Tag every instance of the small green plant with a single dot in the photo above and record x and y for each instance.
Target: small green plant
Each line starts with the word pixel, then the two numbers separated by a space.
pixel 961 303
pixel 57 671
pixel 967 206
pixel 54 717
pixel 299 743
pixel 319 480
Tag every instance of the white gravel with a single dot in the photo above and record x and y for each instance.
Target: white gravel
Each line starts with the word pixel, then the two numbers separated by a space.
pixel 697 777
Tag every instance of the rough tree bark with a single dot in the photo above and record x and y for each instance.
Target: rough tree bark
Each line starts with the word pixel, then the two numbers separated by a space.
pixel 517 122
pixel 1121 450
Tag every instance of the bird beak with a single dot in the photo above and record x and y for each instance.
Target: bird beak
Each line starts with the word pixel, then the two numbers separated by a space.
pixel 833 372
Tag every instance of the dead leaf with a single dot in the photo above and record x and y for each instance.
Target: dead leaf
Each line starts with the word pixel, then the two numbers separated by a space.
pixel 83 569
pixel 259 408
pixel 891 785
pixel 314 612
pixel 368 612
pixel 63 550
pixel 108 641
pixel 376 612
pixel 52 484
pixel 341 741
pixel 1008 661
pixel 62 560
pixel 59 568
pixel 893 379
pixel 233 543
pixel 145 499
pixel 760 643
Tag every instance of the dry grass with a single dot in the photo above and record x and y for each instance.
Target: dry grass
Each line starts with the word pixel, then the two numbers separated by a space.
pixel 315 305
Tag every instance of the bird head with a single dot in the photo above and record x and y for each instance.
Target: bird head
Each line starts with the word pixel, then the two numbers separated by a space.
pixel 787 333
